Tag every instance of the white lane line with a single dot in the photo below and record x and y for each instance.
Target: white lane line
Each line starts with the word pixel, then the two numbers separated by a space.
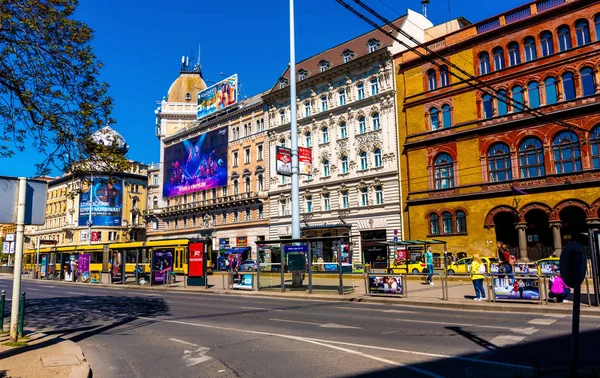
pixel 542 321
pixel 30 288
pixel 294 321
pixel 75 293
pixel 526 331
pixel 320 325
pixel 183 342
pixel 261 308
pixel 305 339
pixel 152 295
pixel 48 286
pixel 502 341
pixel 374 310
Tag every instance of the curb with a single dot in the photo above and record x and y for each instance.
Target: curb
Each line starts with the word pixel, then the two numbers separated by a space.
pixel 468 306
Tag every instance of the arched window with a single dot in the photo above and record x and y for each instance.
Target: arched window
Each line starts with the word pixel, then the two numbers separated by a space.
pixel 236 187
pixel 488 107
pixel 343 130
pixel 378 195
pixel 362 125
pixel 531 158
pixel 546 43
pixel 529 47
pixel 308 202
pixel 344 164
pixel 446 116
pixel 484 63
pixel 567 155
pixel 281 118
pixel 564 38
pixel 260 183
pixel 443 171
pixel 444 76
pixel 325 134
pixel 307 109
pixel 323 103
pixel 499 163
pixel 308 139
pixel 377 157
pixel 342 97
pixel 446 222
pixel 434 224
pixel 461 222
pixel 282 142
pixel 155 202
pixel 431 79
pixel 498 58
pixel 595 146
pixel 597 27
pixel 568 86
pixel 326 168
pixel 582 31
pixel 376 124
pixel 517 97
pixel 551 95
pixel 533 91
pixel 514 57
pixel 363 161
pixel 374 86
pixel 502 102
pixel 434 116
pixel 247 185
pixel 588 84
pixel 360 91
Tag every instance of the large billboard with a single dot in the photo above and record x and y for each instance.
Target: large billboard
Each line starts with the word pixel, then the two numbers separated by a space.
pixel 104 196
pixel 218 96
pixel 196 164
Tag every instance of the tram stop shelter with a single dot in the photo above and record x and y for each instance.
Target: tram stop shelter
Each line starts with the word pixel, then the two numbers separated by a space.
pixel 405 250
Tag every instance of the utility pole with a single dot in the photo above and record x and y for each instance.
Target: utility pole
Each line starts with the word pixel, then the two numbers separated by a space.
pixel 294 134
pixel 14 313
pixel 90 222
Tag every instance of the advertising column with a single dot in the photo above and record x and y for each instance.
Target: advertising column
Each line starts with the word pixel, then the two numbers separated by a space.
pixel 162 265
pixel 196 264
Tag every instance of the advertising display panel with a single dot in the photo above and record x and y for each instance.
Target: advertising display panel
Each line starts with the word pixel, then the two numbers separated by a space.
pixel 196 260
pixel 83 263
pixel 117 267
pixel 218 96
pixel 243 281
pixel 196 164
pixel 104 196
pixel 517 289
pixel 305 161
pixel 162 265
pixel 283 161
pixel 43 266
pixel 391 285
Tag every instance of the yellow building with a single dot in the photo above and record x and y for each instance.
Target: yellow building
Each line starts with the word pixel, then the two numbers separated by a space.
pixel 513 156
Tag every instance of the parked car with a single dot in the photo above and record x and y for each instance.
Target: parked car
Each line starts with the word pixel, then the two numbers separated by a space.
pixel 547 265
pixel 399 267
pixel 248 266
pixel 463 266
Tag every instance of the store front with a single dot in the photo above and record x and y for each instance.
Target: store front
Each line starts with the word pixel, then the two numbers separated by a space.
pixel 373 252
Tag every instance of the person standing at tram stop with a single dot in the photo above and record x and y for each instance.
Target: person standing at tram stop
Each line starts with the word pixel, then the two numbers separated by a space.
pixel 504 258
pixel 477 271
pixel 429 261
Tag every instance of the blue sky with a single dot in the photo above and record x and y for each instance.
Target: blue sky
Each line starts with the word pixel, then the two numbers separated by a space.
pixel 141 43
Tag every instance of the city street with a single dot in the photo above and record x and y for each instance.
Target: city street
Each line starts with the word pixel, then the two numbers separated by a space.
pixel 137 333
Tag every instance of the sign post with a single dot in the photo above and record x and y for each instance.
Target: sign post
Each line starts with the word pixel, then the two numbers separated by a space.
pixel 196 264
pixel 16 291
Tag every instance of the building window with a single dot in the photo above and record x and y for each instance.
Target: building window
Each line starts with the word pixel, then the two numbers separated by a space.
pixel 236 215
pixel 235 159
pixel 342 97
pixel 309 207
pixel 488 107
pixel 498 58
pixel 484 63
pixel 446 222
pixel 343 130
pixel 502 102
pixel 461 222
pixel 582 31
pixel 434 117
pixel 247 155
pixel 282 207
pixel 376 124
pixel 551 95
pixel 567 156
pixel 546 43
pixel 377 158
pixel 378 195
pixel 431 80
pixel 308 139
pixel 224 191
pixel 499 163
pixel 307 109
pixel 373 45
pixel 345 201
pixel 326 202
pixel 363 161
pixel 533 91
pixel 588 84
pixel 323 65
pixel 443 171
pixel 434 224
pixel 597 27
pixel 259 152
pixel 325 134
pixel 517 99
pixel 261 212
pixel 568 86
pixel 282 116
pixel 347 56
pixel 529 46
pixel 155 178
pixel 595 143
pixel 531 158
pixel 564 39
pixel 362 125
pixel 374 86
pixel 364 197
pixel 236 187
pixel 360 91
pixel 514 57
pixel 345 164
pixel 326 168
pixel 444 76
pixel 155 202
pixel 224 217
pixel 260 183
pixel 248 217
pixel 446 116
pixel 323 103
pixel 247 185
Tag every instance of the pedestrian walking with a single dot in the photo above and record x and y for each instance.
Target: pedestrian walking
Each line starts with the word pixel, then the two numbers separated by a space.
pixel 558 288
pixel 429 261
pixel 507 261
pixel 477 271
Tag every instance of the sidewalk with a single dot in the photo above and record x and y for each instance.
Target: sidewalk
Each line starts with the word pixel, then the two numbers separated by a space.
pixel 43 356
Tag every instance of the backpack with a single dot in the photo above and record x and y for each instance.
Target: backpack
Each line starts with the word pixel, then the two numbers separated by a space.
pixel 512 260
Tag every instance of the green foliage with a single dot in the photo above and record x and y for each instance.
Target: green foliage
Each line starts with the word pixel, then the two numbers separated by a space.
pixel 50 95
pixel 15 344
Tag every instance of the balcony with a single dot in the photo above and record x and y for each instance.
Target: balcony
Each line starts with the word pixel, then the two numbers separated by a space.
pixel 245 198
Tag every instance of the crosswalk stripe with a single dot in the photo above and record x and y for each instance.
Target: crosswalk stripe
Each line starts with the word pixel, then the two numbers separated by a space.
pixel 542 321
pixel 505 340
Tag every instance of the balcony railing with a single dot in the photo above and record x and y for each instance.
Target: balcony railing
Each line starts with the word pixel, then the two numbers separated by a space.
pixel 547 4
pixel 213 202
pixel 518 15
pixel 488 26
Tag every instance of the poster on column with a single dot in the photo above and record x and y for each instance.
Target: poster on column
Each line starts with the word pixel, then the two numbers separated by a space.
pixel 43 267
pixel 162 265
pixel 84 266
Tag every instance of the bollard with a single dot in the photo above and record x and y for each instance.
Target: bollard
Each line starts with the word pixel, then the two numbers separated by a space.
pixel 2 301
pixel 22 314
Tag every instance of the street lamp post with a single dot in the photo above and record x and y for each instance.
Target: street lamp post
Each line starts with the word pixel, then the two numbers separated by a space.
pixel 90 222
pixel 294 132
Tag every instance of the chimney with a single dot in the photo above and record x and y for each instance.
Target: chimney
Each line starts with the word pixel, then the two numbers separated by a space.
pixel 425 3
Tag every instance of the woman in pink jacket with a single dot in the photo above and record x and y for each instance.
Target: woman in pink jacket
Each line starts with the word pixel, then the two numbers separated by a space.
pixel 558 288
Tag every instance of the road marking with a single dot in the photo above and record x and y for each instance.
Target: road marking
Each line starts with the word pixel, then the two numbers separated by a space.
pixel 542 321
pixel 555 316
pixel 152 295
pixel 504 340
pixel 194 358
pixel 261 308
pixel 75 293
pixel 183 342
pixel 48 286
pixel 526 331
pixel 320 325
pixel 30 288
pixel 373 310
pixel 312 340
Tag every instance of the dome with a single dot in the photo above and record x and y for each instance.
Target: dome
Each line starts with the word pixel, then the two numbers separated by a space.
pixel 108 137
pixel 187 82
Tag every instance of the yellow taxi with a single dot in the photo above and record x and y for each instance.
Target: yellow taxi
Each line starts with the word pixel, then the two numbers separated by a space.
pixel 547 265
pixel 399 267
pixel 463 266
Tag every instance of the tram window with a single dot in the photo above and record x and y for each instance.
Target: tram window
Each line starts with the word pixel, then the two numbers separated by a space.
pixel 96 258
pixel 144 256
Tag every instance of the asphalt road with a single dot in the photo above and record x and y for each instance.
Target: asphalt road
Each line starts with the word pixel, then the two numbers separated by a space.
pixel 133 333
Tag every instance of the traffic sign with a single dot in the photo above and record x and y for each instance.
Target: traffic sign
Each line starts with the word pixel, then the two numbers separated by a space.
pixel 573 264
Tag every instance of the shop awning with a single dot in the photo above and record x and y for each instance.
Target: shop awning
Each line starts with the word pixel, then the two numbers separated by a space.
pixel 236 250
pixel 326 226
